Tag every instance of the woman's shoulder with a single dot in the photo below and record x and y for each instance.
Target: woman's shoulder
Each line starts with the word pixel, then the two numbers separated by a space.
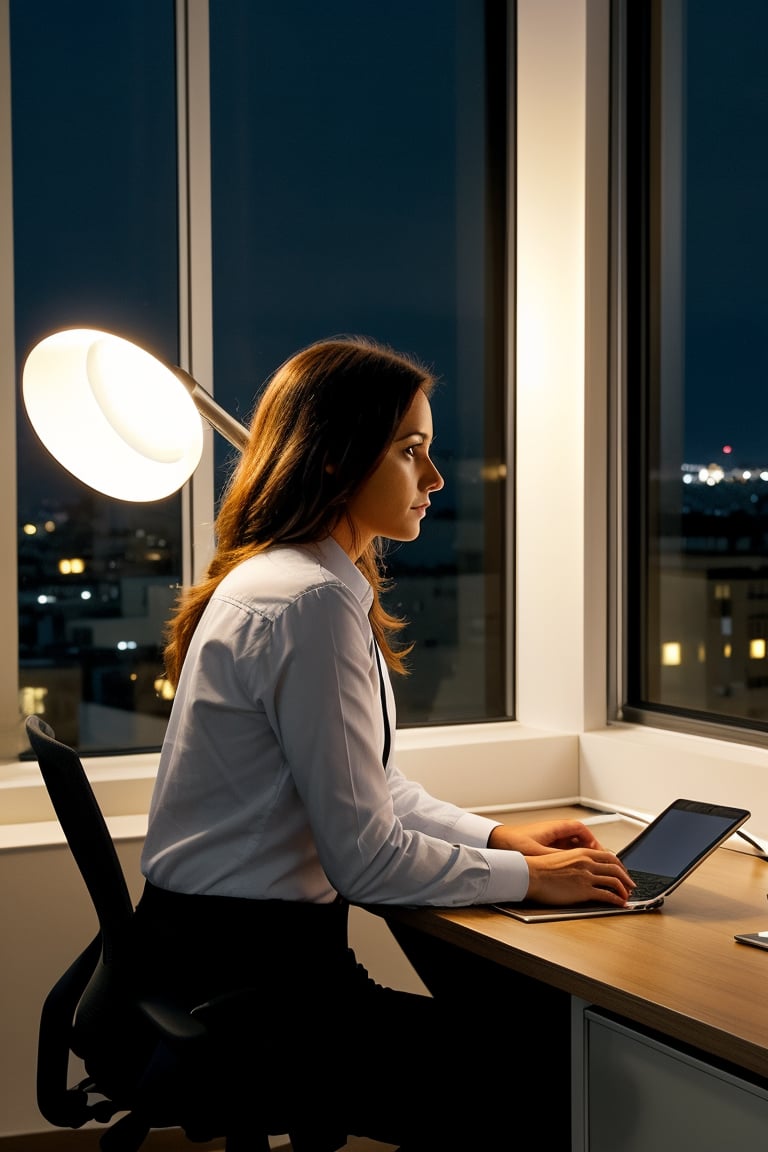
pixel 279 576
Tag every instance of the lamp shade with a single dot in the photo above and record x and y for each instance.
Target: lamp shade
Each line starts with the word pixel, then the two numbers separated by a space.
pixel 117 418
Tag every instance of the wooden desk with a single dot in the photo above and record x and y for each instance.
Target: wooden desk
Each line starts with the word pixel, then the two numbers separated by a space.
pixel 677 971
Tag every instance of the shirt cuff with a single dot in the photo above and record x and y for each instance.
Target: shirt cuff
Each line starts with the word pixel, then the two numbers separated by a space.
pixel 473 830
pixel 508 875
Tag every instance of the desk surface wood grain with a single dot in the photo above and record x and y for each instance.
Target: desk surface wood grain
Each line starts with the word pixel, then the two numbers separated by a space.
pixel 677 971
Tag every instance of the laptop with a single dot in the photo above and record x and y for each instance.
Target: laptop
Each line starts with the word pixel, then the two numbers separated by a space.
pixel 658 859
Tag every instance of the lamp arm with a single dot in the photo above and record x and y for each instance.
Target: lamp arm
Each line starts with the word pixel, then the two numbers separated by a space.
pixel 230 428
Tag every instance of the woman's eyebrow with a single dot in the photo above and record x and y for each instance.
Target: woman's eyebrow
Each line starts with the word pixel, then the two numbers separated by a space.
pixel 425 436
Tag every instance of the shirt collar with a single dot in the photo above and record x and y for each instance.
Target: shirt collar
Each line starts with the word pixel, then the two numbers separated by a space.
pixel 333 557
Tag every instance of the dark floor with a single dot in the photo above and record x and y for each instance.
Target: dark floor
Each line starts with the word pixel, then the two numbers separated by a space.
pixel 161 1140
pixel 355 1145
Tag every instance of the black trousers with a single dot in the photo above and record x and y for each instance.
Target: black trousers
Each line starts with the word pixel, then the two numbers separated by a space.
pixel 519 1052
pixel 443 1073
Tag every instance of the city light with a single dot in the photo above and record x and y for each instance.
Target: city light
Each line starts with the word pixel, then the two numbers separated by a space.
pixel 72 567
pixel 671 653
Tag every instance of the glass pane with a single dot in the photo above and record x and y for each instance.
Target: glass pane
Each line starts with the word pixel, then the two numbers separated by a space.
pixel 95 234
pixel 699 246
pixel 358 186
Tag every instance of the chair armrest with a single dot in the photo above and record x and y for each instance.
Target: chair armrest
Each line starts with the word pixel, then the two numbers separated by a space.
pixel 173 1023
pixel 62 1106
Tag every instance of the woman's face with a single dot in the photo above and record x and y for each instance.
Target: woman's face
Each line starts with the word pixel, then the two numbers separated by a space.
pixel 394 499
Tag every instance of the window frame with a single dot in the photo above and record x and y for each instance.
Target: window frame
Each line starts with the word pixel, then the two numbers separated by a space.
pixel 657 340
pixel 8 516
pixel 564 745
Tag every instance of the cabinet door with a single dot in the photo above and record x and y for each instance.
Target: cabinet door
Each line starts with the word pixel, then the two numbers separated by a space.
pixel 639 1095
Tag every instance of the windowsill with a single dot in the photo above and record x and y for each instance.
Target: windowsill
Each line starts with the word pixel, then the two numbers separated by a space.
pixel 631 767
pixel 122 784
pixel 541 764
pixel 48 833
pixel 622 767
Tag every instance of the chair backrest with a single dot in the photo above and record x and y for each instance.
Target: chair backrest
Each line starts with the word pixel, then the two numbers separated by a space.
pixel 149 1059
pixel 86 831
pixel 91 1005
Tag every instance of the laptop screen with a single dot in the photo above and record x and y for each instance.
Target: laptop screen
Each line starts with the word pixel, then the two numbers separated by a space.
pixel 672 844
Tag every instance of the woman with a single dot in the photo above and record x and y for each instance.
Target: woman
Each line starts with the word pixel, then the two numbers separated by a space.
pixel 277 799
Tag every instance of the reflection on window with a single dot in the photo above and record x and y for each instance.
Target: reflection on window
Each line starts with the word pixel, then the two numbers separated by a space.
pixel 95 227
pixel 697 360
pixel 359 185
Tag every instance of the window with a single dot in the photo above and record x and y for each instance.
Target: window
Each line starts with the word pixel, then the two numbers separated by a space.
pixel 95 238
pixel 696 360
pixel 358 183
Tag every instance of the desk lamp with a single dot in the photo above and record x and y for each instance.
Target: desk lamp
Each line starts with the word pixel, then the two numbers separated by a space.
pixel 117 418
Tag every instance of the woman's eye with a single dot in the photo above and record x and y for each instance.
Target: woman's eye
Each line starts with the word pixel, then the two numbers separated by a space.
pixel 411 450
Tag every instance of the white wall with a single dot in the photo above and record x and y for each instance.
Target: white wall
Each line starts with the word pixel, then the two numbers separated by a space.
pixel 563 561
pixel 47 919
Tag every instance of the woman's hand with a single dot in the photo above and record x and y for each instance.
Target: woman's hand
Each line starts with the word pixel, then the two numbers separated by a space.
pixel 545 836
pixel 566 864
pixel 577 874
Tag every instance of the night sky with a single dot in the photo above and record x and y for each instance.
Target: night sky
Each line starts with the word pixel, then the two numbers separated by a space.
pixel 726 233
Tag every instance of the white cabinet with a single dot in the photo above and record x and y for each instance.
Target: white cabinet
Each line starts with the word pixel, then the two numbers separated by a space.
pixel 633 1093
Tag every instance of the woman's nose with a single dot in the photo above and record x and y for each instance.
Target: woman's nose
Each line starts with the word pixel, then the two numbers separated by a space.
pixel 435 481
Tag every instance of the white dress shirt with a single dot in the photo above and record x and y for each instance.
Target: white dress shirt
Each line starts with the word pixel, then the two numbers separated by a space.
pixel 271 783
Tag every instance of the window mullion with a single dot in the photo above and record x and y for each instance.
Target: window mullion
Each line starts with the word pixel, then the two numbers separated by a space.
pixel 195 267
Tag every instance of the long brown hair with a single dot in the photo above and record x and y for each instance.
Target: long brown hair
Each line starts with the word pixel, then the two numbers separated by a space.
pixel 322 425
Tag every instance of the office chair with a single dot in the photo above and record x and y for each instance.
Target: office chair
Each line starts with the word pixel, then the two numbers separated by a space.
pixel 150 1059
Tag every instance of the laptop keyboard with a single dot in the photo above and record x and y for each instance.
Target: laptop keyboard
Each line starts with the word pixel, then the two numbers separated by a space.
pixel 648 884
